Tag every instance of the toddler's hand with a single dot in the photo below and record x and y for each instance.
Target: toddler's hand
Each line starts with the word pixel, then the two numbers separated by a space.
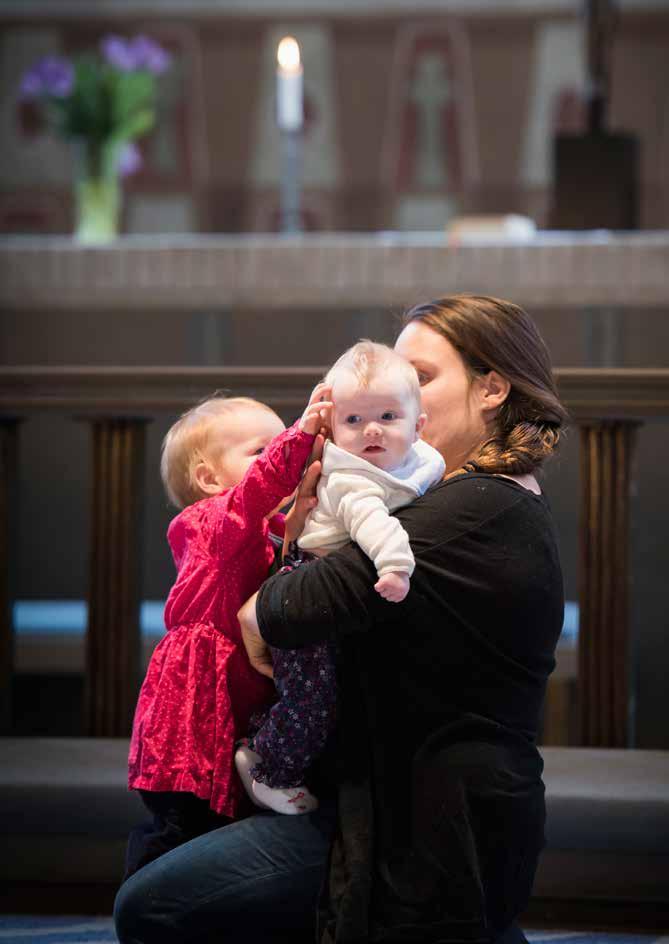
pixel 393 586
pixel 306 496
pixel 317 413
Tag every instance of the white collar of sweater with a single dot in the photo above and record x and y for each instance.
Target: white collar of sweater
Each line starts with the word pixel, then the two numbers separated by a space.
pixel 422 467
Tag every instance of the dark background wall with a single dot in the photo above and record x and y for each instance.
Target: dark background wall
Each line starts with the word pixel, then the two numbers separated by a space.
pixel 55 473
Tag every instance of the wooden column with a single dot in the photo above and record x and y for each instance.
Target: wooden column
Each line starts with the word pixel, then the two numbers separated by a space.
pixel 113 638
pixel 604 643
pixel 8 507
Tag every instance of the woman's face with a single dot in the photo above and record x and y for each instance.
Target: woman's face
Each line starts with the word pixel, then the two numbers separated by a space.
pixel 455 420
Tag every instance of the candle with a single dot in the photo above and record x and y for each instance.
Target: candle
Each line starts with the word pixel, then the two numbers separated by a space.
pixel 289 108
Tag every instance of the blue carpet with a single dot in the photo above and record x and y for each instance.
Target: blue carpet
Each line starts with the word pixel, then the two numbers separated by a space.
pixel 21 929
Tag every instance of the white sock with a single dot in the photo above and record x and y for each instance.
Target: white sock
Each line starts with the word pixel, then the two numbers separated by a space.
pixel 245 759
pixel 288 800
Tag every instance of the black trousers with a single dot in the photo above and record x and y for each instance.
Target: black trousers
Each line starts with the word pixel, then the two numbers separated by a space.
pixel 177 818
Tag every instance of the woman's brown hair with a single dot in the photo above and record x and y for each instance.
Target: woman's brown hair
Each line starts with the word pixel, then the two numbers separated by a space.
pixel 492 334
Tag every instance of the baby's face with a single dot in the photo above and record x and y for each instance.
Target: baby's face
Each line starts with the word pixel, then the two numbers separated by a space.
pixel 379 423
pixel 243 437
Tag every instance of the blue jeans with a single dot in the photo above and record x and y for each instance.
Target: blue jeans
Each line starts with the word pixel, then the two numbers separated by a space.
pixel 255 880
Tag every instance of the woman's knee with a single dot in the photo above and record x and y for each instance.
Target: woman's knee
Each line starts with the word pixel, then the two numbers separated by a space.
pixel 132 918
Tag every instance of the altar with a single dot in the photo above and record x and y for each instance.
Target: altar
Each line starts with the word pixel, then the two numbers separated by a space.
pixel 352 271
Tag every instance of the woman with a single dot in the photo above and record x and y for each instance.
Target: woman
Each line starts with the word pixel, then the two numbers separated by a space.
pixel 440 809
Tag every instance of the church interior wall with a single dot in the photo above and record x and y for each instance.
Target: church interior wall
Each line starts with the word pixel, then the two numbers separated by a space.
pixel 216 175
pixel 213 164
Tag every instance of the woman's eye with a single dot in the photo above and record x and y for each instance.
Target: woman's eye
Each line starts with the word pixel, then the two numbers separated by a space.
pixel 389 415
pixel 423 378
pixel 353 418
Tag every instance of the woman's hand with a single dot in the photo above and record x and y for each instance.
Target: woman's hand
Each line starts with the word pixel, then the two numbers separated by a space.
pixel 305 497
pixel 256 647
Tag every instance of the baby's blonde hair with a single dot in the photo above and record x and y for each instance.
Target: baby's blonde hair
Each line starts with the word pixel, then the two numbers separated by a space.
pixel 368 360
pixel 189 441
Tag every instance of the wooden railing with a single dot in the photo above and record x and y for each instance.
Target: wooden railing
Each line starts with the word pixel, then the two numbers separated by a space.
pixel 607 405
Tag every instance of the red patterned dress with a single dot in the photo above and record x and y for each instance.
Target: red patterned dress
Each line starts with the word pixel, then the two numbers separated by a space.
pixel 200 690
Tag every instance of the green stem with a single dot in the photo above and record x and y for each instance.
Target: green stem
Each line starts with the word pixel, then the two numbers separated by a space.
pixel 98 193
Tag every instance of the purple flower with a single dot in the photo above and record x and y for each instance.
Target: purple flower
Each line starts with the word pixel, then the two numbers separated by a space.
pixel 58 76
pixel 50 76
pixel 149 55
pixel 31 83
pixel 129 160
pixel 131 55
pixel 119 53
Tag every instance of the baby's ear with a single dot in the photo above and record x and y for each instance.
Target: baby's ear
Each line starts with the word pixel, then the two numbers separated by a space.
pixel 420 423
pixel 206 479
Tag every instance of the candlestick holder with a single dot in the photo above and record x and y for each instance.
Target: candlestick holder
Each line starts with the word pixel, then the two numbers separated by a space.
pixel 290 119
pixel 290 214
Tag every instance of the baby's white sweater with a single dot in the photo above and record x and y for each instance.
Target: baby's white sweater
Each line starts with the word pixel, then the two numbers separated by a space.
pixel 355 499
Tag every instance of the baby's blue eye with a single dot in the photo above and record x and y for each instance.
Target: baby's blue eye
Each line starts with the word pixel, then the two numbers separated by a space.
pixel 389 415
pixel 353 418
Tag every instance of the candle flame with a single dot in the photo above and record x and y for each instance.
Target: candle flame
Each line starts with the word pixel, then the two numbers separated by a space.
pixel 288 54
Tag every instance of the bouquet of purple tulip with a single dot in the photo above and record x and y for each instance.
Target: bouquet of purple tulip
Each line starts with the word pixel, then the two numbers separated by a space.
pixel 103 102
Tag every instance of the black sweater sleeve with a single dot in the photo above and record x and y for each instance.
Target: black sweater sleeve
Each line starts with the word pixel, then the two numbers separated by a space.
pixel 486 568
pixel 320 600
pixel 476 631
pixel 334 596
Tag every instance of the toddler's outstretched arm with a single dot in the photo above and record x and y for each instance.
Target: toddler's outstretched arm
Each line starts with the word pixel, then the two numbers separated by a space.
pixel 272 477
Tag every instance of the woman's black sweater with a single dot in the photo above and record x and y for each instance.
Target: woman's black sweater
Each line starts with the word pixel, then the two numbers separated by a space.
pixel 441 806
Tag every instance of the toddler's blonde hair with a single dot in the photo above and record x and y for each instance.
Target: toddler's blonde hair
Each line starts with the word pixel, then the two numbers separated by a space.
pixel 368 360
pixel 189 441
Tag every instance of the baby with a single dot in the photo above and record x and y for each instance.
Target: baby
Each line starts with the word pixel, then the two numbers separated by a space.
pixel 375 463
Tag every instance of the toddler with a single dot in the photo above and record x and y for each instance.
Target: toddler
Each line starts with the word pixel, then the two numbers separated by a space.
pixel 375 463
pixel 230 465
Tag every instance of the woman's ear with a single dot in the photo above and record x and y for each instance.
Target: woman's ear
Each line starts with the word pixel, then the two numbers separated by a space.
pixel 206 479
pixel 420 423
pixel 494 390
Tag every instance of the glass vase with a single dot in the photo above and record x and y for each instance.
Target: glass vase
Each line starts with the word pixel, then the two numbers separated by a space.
pixel 98 191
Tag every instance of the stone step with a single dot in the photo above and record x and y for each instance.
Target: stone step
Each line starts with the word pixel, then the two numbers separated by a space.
pixel 65 812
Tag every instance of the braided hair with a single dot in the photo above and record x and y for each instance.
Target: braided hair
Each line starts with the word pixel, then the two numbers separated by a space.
pixel 491 334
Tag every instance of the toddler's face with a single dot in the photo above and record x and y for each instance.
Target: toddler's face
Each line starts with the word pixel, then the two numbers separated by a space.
pixel 243 437
pixel 379 423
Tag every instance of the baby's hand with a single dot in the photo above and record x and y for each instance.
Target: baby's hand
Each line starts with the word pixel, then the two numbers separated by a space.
pixel 317 413
pixel 393 586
